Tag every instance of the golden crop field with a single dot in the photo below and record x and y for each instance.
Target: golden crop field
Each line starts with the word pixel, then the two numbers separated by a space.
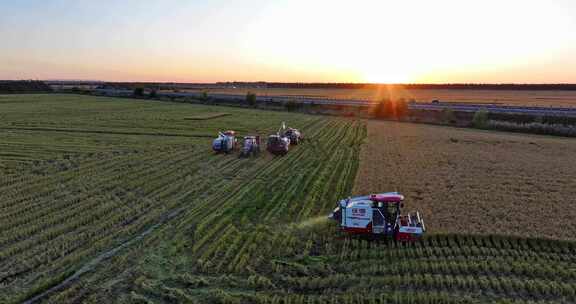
pixel 472 181
pixel 507 97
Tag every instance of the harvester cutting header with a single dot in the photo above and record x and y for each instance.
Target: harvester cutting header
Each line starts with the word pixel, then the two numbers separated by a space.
pixel 378 215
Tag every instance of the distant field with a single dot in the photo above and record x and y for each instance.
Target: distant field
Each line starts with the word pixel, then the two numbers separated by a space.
pixel 526 98
pixel 117 200
pixel 470 181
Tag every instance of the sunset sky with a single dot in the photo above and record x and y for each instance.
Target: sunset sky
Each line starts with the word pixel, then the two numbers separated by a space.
pixel 490 41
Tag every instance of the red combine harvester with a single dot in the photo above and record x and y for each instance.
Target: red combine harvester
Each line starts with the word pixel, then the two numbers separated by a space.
pixel 378 215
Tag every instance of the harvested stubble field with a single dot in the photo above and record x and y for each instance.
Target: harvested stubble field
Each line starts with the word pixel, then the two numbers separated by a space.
pixel 125 200
pixel 471 181
pixel 506 97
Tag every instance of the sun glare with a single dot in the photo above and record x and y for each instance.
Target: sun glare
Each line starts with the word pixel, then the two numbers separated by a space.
pixel 383 77
pixel 391 41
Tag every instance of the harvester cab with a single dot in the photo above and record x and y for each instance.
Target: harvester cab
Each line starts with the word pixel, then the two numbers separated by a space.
pixel 225 142
pixel 378 215
pixel 251 146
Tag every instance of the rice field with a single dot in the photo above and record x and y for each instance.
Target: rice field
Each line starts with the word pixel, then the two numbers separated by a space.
pixel 110 200
pixel 81 175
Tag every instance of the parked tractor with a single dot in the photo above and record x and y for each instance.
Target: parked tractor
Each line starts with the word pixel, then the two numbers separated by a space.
pixel 378 215
pixel 251 146
pixel 226 142
pixel 294 135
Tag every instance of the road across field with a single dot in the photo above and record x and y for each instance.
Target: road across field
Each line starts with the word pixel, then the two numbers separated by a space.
pixel 461 107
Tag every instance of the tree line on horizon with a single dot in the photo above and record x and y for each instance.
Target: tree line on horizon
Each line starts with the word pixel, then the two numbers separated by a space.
pixel 23 86
pixel 320 85
pixel 478 86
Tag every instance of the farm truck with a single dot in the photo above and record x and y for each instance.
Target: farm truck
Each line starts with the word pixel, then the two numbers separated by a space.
pixel 378 215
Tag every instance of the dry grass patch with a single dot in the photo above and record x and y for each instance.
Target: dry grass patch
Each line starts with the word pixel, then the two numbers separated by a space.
pixel 471 181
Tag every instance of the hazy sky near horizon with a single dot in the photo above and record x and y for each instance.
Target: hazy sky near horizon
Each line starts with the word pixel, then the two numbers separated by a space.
pixel 529 41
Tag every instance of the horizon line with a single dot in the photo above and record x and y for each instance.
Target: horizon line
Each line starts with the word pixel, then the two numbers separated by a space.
pixel 310 83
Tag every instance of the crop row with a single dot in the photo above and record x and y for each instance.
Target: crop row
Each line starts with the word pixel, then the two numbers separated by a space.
pixel 351 289
pixel 462 246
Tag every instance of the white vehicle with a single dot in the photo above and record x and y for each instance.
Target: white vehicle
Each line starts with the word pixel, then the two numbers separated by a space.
pixel 251 146
pixel 378 215
pixel 226 142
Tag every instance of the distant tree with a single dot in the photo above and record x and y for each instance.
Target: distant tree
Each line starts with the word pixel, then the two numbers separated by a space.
pixel 480 119
pixel 380 109
pixel 153 94
pixel 391 109
pixel 448 116
pixel 292 105
pixel 401 108
pixel 138 92
pixel 539 119
pixel 204 96
pixel 251 99
pixel 313 106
